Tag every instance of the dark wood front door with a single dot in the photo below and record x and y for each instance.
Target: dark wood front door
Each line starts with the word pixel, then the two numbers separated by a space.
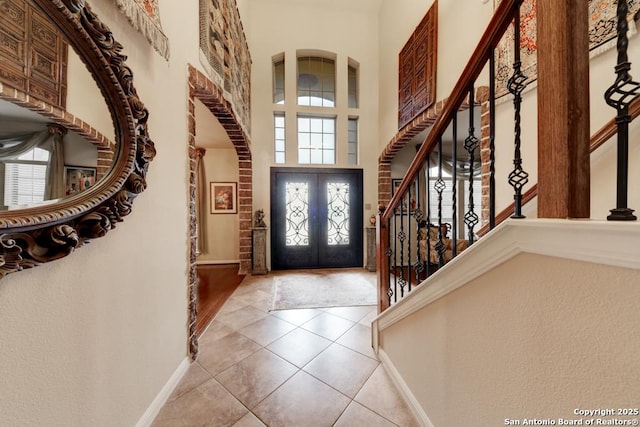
pixel 316 218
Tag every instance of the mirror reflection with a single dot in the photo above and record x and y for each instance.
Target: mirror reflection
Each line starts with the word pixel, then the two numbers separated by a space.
pixel 41 161
pixel 44 159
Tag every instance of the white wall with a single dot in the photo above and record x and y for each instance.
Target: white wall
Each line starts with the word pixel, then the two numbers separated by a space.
pixel 91 339
pixel 552 338
pixel 84 99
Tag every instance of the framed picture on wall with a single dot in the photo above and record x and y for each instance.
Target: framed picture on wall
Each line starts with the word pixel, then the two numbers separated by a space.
pixel 395 183
pixel 78 179
pixel 223 197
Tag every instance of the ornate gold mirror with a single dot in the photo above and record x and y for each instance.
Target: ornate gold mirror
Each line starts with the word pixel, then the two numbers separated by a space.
pixel 52 203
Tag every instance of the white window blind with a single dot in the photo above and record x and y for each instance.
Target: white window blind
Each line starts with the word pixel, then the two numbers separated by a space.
pixel 25 178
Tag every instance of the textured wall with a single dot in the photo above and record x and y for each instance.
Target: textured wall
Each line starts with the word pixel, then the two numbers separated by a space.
pixel 536 337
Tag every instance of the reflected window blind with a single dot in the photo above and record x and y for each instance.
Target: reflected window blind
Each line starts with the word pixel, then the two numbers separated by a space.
pixel 24 183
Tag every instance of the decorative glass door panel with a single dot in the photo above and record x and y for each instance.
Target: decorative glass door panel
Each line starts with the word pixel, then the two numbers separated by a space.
pixel 297 213
pixel 316 218
pixel 337 213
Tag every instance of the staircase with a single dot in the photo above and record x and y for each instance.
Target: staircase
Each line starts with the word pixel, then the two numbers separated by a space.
pixel 502 320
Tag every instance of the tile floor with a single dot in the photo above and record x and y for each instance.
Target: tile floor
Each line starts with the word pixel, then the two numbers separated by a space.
pixel 307 367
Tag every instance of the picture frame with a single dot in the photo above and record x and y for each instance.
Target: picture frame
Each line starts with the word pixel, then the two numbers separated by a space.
pixel 223 197
pixel 78 178
pixel 395 183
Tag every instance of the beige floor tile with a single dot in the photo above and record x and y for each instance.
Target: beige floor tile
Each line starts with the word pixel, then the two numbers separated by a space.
pixel 351 313
pixel 207 405
pixel 227 351
pixel 194 377
pixel 252 379
pixel 232 304
pixel 267 330
pixel 238 319
pixel 214 332
pixel 249 420
pixel 381 396
pixel 328 326
pixel 358 338
pixel 299 346
pixel 342 368
pixel 358 415
pixel 302 401
pixel 299 316
pixel 258 299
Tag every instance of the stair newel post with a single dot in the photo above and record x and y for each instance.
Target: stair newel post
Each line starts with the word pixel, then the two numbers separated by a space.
pixel 384 260
pixel 516 84
pixel 623 91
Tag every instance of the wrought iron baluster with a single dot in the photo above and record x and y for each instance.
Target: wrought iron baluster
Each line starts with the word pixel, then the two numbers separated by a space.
pixel 439 186
pixel 471 144
pixel 427 251
pixel 388 253
pixel 518 178
pixel 623 91
pixel 409 234
pixel 402 236
pixel 492 138
pixel 417 215
pixel 395 256
pixel 454 187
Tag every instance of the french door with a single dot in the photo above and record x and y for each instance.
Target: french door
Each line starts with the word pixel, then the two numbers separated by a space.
pixel 316 218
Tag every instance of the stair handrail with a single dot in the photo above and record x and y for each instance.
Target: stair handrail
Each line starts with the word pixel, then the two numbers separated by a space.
pixel 496 28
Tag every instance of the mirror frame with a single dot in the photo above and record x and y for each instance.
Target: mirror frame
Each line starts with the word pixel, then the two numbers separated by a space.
pixel 32 236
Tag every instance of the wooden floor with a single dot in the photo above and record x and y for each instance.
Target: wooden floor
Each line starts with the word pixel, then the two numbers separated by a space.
pixel 216 283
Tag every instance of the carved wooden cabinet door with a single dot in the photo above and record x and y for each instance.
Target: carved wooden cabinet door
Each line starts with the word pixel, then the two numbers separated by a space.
pixel 33 53
pixel 417 69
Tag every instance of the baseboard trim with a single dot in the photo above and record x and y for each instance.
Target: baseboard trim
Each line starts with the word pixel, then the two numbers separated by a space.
pixel 402 387
pixel 153 409
pixel 217 262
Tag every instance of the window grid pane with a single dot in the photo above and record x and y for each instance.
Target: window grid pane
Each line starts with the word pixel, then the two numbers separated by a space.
pixel 352 142
pixel 316 140
pixel 352 87
pixel 278 82
pixel 279 138
pixel 316 81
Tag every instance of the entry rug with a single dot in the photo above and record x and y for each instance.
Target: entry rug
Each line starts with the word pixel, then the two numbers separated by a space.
pixel 144 16
pixel 324 288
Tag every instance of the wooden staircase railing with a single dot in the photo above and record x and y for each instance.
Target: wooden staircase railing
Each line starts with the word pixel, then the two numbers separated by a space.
pixel 397 215
pixel 412 235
